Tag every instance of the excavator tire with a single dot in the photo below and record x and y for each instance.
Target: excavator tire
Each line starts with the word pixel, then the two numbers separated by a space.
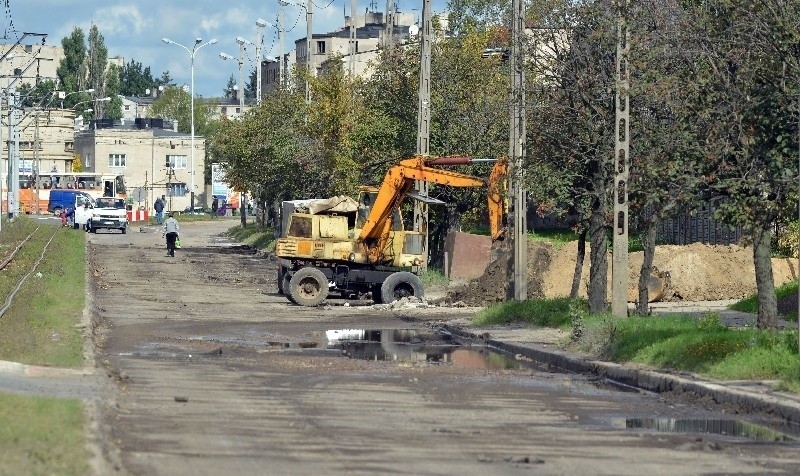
pixel 287 286
pixel 281 274
pixel 399 285
pixel 308 287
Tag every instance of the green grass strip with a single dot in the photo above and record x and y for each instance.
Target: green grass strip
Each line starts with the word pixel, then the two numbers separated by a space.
pixel 41 436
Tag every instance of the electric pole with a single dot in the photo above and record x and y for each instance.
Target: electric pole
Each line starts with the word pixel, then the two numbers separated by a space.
pixel 353 37
pixel 519 238
pixel 619 263
pixel 423 127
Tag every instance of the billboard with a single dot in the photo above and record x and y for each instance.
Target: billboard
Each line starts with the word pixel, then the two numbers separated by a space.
pixel 218 184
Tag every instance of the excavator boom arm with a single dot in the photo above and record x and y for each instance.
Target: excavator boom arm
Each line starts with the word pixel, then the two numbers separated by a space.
pixel 400 179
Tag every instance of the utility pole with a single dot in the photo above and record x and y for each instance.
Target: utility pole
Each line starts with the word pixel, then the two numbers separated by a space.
pixel 388 40
pixel 13 155
pixel 35 167
pixel 619 263
pixel 423 127
pixel 353 38
pixel 309 63
pixel 519 238
pixel 281 71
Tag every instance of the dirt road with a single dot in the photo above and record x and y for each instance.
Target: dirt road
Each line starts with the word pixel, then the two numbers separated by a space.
pixel 211 372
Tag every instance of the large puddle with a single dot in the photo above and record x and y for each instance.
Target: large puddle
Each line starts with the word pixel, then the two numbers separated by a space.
pixel 411 345
pixel 732 428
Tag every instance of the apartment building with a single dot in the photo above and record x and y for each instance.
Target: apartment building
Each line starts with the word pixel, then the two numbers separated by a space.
pixel 155 159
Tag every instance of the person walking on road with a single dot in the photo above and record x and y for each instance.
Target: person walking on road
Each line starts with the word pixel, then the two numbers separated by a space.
pixel 158 206
pixel 214 207
pixel 171 228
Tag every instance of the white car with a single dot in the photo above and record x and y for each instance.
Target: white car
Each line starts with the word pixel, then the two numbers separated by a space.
pixel 110 213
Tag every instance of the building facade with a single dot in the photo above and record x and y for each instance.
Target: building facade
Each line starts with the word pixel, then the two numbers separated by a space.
pixel 155 159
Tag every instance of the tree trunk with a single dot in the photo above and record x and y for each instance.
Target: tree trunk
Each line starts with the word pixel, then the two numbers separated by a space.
pixel 243 208
pixel 649 246
pixel 765 285
pixel 579 259
pixel 598 268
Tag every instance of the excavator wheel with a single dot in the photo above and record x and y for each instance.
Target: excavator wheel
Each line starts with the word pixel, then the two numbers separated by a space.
pixel 287 286
pixel 281 274
pixel 308 287
pixel 399 285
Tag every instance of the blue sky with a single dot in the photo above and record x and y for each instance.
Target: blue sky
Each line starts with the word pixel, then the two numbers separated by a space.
pixel 133 29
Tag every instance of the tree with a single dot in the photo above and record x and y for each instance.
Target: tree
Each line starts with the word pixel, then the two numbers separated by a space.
pixel 97 63
pixel 71 70
pixel 165 80
pixel 571 146
pixel 230 88
pixel 745 97
pixel 135 80
pixel 252 83
pixel 175 104
pixel 114 108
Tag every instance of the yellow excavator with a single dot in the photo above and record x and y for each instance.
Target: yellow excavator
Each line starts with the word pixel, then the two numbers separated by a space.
pixel 364 249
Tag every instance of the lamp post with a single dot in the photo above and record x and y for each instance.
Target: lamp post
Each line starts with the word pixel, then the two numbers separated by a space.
pixel 240 89
pixel 260 24
pixel 198 43
pixel 62 95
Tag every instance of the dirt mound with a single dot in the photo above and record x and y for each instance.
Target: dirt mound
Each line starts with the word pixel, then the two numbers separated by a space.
pixel 698 272
pixel 495 283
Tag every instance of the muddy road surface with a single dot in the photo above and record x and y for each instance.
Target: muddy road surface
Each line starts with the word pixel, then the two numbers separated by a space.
pixel 210 371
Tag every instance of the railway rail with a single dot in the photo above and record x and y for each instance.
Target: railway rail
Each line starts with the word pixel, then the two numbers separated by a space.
pixel 9 301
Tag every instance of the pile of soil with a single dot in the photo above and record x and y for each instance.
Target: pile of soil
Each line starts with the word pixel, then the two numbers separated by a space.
pixel 697 272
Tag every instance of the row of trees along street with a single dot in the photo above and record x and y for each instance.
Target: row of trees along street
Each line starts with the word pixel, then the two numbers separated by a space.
pixel 714 116
pixel 714 103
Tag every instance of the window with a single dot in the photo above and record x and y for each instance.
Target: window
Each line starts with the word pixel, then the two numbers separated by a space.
pixel 321 47
pixel 127 108
pixel 238 110
pixel 87 161
pixel 177 189
pixel 116 160
pixel 177 161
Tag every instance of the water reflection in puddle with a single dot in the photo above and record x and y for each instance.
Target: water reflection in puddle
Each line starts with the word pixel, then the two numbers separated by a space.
pixel 409 345
pixel 733 428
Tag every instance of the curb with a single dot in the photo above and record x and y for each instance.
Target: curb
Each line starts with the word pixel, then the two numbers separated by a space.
pixel 651 380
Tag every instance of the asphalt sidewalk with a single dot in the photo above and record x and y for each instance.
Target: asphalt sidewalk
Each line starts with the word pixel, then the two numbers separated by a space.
pixel 757 396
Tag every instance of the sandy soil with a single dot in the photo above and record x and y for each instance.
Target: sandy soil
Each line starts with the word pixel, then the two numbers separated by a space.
pixel 697 272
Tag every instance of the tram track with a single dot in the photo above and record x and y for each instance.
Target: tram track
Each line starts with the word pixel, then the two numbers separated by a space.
pixel 9 301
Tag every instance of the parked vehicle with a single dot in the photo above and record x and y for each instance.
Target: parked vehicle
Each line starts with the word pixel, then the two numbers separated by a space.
pixel 352 248
pixel 62 199
pixel 110 213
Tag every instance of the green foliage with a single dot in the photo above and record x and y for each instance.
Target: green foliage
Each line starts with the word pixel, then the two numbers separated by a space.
pixel 557 237
pixel 135 79
pixel 71 70
pixel 175 104
pixel 789 240
pixel 540 312
pixel 113 109
pixel 750 304
pixel 253 235
pixel 698 345
pixel 433 277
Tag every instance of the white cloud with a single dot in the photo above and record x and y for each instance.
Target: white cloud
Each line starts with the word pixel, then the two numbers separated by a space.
pixel 121 20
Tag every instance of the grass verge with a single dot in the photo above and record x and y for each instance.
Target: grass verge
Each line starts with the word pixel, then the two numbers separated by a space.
pixel 42 435
pixel 750 304
pixel 254 235
pixel 704 346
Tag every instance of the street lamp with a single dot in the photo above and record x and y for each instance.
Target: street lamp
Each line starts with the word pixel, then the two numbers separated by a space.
pixel 62 95
pixel 198 43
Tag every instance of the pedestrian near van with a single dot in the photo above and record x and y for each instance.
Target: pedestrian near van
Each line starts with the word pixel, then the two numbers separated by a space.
pixel 214 207
pixel 171 228
pixel 158 206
